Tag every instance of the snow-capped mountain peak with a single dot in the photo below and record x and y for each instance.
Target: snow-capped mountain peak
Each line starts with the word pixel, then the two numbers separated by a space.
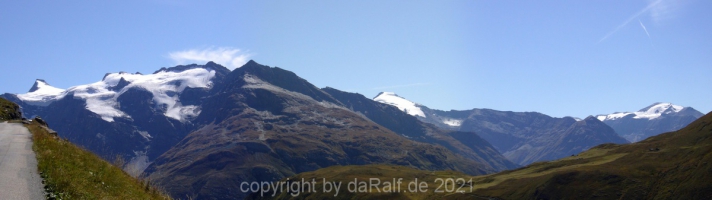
pixel 651 120
pixel 41 93
pixel 403 104
pixel 658 108
pixel 651 112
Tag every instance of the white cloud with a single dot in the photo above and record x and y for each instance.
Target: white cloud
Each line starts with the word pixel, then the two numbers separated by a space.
pixel 227 56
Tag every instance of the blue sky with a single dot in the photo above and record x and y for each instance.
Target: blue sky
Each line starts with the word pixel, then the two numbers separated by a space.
pixel 562 58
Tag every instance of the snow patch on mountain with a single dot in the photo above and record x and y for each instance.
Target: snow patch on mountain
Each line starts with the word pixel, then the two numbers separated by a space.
pixel 42 94
pixel 254 82
pixel 600 118
pixel 453 122
pixel 145 135
pixel 165 86
pixel 651 112
pixel 99 99
pixel 403 104
pixel 656 110
pixel 613 116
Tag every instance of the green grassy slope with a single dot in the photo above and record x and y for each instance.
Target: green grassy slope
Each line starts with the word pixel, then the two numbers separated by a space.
pixel 675 165
pixel 74 173
pixel 9 110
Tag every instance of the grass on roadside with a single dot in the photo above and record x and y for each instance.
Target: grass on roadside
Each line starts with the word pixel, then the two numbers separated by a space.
pixel 74 173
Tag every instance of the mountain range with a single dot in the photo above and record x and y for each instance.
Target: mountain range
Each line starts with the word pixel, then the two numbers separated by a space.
pixel 197 130
pixel 527 137
pixel 673 165
pixel 522 137
pixel 200 130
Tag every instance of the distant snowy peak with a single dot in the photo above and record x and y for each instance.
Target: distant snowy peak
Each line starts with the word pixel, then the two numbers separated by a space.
pixel 651 112
pixel 657 108
pixel 38 83
pixel 403 104
pixel 41 94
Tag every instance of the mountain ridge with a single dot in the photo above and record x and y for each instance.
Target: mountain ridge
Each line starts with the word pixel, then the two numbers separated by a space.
pixel 522 137
pixel 466 143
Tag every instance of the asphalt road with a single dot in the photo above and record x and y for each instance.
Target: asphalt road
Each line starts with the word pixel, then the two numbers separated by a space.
pixel 18 166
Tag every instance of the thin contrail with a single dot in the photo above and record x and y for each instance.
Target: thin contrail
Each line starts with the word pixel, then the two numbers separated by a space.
pixel 631 18
pixel 645 29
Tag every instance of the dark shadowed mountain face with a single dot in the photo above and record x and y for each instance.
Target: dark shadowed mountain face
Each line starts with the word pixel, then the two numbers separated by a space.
pixel 467 144
pixel 578 137
pixel 135 116
pixel 264 124
pixel 522 137
pixel 527 137
pixel 650 121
